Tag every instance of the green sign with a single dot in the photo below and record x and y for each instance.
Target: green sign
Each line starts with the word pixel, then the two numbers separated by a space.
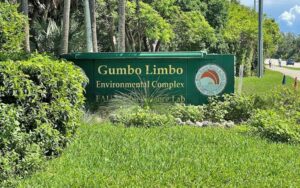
pixel 188 77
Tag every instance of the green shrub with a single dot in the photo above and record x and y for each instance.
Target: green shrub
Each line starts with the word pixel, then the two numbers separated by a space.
pixel 18 154
pixel 187 112
pixel 215 110
pixel 139 107
pixel 146 118
pixel 274 126
pixel 41 103
pixel 237 108
pixel 140 117
pixel 284 98
pixel 14 56
pixel 11 28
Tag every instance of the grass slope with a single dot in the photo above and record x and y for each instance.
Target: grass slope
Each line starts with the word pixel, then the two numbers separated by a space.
pixel 271 80
pixel 291 67
pixel 109 156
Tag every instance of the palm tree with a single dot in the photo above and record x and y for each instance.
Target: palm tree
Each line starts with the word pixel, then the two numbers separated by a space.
pixel 111 20
pixel 24 7
pixel 66 26
pixel 138 11
pixel 94 26
pixel 121 37
pixel 89 41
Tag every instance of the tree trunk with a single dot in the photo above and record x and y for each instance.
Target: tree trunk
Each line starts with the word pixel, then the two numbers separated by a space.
pixel 24 5
pixel 138 8
pixel 111 27
pixel 88 27
pixel 112 36
pixel 127 43
pixel 146 46
pixel 94 25
pixel 158 46
pixel 130 42
pixel 66 27
pixel 46 10
pixel 122 35
pixel 154 44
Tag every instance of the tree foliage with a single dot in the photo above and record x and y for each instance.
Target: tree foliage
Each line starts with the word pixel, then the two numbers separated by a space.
pixel 148 27
pixel 289 46
pixel 216 26
pixel 41 102
pixel 12 26
pixel 193 32
pixel 241 36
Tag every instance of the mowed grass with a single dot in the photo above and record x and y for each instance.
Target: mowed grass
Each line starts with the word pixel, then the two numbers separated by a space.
pixel 110 156
pixel 270 81
pixel 104 155
pixel 291 67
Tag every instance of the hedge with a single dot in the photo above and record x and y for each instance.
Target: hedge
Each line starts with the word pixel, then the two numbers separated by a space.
pixel 11 28
pixel 41 103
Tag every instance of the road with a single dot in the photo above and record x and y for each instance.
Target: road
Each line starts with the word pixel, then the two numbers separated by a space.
pixel 283 63
pixel 286 71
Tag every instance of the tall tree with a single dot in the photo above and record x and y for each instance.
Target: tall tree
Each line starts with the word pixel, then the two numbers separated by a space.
pixel 88 27
pixel 111 20
pixel 148 31
pixel 122 34
pixel 66 27
pixel 94 25
pixel 137 12
pixel 24 6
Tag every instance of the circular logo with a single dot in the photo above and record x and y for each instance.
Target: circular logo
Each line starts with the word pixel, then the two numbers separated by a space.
pixel 210 80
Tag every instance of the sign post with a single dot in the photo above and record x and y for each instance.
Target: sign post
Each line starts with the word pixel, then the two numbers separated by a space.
pixel 241 76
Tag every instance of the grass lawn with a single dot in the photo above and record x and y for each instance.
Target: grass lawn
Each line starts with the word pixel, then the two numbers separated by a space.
pixel 271 80
pixel 110 156
pixel 103 155
pixel 291 67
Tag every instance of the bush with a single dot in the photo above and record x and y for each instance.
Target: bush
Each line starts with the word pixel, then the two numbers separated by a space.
pixel 17 154
pixel 14 56
pixel 146 118
pixel 187 112
pixel 237 108
pixel 140 117
pixel 139 107
pixel 284 98
pixel 215 110
pixel 41 102
pixel 272 125
pixel 11 28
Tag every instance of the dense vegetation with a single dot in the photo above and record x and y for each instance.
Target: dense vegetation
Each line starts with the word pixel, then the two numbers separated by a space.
pixel 41 104
pixel 41 98
pixel 273 115
pixel 289 47
pixel 216 26
pixel 11 28
pixel 163 155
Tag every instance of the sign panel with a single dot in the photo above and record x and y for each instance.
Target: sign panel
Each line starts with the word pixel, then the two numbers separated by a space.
pixel 189 77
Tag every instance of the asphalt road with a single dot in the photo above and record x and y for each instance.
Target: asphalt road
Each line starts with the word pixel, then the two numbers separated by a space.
pixel 283 63
pixel 286 71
